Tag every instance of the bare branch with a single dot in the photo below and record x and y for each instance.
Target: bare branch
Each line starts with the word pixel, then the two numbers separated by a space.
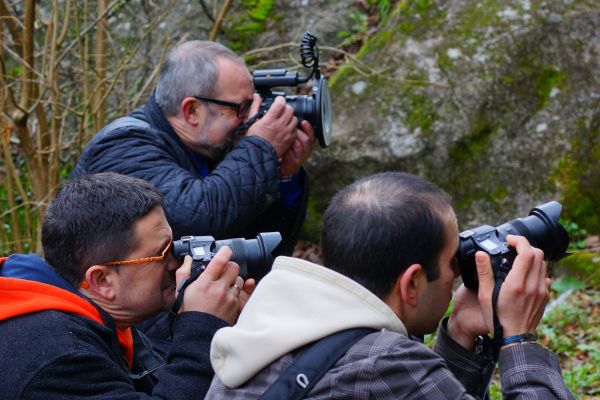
pixel 13 26
pixel 100 66
pixel 125 61
pixel 65 24
pixel 206 11
pixel 154 73
pixel 214 31
pixel 86 30
pixel 28 57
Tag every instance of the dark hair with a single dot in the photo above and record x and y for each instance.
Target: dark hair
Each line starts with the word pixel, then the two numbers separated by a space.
pixel 92 220
pixel 380 225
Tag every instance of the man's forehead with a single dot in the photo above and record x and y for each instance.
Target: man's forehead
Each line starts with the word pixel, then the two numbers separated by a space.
pixel 152 226
pixel 227 67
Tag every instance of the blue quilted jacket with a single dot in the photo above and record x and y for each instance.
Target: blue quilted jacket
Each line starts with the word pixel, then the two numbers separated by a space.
pixel 238 198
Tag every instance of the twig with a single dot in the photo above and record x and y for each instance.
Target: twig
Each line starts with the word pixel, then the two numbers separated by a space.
pixel 214 31
pixel 206 11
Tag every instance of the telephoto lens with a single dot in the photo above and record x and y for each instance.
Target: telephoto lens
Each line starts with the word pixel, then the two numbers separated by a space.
pixel 254 256
pixel 540 227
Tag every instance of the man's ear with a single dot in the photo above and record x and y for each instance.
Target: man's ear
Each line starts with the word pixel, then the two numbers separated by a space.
pixel 410 284
pixel 192 111
pixel 100 281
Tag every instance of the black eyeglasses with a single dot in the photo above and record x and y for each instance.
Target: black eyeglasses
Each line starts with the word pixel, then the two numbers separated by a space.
pixel 242 108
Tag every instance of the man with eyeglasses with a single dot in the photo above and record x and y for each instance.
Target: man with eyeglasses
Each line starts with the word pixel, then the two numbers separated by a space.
pixel 67 322
pixel 218 177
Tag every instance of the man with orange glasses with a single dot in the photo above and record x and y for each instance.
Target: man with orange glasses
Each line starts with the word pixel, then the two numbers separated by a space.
pixel 67 323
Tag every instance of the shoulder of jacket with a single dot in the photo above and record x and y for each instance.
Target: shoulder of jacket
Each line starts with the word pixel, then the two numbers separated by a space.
pixel 383 343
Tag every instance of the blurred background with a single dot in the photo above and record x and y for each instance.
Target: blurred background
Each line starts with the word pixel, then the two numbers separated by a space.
pixel 497 102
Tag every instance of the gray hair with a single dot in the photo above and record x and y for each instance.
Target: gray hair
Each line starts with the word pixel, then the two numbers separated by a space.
pixel 190 70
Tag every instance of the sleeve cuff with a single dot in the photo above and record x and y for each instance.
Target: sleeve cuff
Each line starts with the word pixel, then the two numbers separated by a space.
pixel 196 325
pixel 290 188
pixel 473 370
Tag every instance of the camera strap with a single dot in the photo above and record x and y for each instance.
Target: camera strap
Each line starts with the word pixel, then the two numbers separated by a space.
pixel 502 272
pixel 181 289
pixel 243 128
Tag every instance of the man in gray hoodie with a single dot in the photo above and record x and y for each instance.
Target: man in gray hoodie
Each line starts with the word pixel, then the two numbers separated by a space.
pixel 389 243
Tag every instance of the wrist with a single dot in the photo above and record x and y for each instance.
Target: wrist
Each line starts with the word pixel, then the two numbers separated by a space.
pixel 456 333
pixel 528 337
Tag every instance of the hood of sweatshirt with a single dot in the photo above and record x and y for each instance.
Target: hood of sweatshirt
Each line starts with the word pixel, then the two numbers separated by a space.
pixel 296 303
pixel 28 285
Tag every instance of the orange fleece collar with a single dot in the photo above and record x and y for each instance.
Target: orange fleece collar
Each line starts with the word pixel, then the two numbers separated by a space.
pixel 22 297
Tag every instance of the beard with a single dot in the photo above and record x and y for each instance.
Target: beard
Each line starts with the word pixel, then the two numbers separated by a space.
pixel 170 284
pixel 216 152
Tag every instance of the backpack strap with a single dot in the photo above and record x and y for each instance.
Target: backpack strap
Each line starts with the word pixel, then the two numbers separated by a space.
pixel 312 363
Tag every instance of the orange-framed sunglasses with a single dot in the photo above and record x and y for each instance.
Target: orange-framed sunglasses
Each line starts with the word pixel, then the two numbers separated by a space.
pixel 162 257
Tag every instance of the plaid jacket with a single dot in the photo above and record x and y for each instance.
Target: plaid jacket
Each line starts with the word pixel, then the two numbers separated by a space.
pixel 387 365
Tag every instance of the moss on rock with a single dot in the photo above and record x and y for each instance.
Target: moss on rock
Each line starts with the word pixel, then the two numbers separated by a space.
pixel 579 175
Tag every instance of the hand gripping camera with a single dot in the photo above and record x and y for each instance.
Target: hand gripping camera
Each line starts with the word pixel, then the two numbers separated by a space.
pixel 254 256
pixel 315 108
pixel 541 228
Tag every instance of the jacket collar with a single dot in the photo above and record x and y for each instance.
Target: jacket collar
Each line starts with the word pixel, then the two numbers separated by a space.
pixel 156 117
pixel 297 303
pixel 32 267
pixel 28 285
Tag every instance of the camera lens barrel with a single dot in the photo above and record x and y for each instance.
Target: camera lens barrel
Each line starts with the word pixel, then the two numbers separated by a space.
pixel 254 256
pixel 540 227
pixel 315 108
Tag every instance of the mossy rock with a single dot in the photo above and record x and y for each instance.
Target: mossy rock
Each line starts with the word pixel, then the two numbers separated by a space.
pixel 494 102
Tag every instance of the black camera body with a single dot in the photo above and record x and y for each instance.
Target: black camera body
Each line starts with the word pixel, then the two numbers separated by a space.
pixel 254 256
pixel 315 108
pixel 540 227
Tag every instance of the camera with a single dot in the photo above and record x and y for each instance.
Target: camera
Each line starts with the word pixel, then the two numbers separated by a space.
pixel 540 227
pixel 254 256
pixel 315 108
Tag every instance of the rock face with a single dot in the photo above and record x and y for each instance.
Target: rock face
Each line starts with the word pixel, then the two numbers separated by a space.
pixel 498 102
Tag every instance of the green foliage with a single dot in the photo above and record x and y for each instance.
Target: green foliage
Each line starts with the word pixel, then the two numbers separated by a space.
pixel 361 20
pixel 261 11
pixel 358 29
pixel 582 265
pixel 19 223
pixel 16 71
pixel 242 30
pixel 579 176
pixel 572 331
pixel 311 229
pixel 384 6
pixel 567 283
pixel 576 233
